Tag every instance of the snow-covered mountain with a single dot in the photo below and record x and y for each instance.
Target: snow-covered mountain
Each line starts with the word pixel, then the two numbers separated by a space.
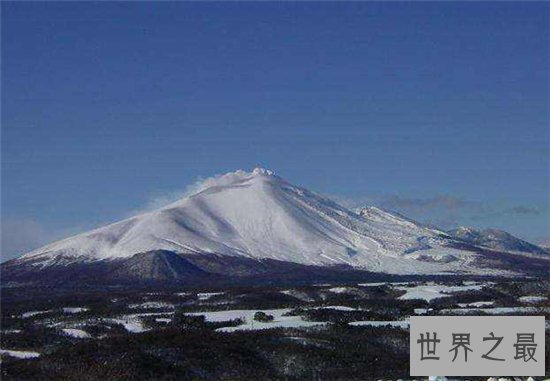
pixel 545 246
pixel 259 216
pixel 496 240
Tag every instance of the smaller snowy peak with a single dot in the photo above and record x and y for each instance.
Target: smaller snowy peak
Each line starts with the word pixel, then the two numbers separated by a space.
pixel 466 230
pixel 465 233
pixel 545 246
pixel 472 234
pixel 494 239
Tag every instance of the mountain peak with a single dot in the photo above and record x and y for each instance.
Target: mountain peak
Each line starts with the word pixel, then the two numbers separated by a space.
pixel 257 215
pixel 228 179
pixel 258 171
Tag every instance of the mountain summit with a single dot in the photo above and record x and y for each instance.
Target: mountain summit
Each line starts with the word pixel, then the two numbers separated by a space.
pixel 258 216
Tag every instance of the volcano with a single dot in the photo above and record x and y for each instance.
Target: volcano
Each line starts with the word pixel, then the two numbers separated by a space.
pixel 259 221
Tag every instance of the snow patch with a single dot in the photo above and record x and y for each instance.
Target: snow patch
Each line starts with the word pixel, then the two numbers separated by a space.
pixel 340 290
pixel 208 295
pixel 433 291
pixel 131 323
pixel 476 304
pixel 34 313
pixel 19 354
pixel 279 321
pixel 375 284
pixel 303 296
pixel 532 299
pixel 5 331
pixel 76 333
pixel 74 310
pixel 337 308
pixel 152 305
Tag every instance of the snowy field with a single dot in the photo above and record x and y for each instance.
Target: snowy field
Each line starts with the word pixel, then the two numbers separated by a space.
pixel 306 316
pixel 19 354
pixel 76 333
pixel 279 321
pixel 533 299
pixel 433 291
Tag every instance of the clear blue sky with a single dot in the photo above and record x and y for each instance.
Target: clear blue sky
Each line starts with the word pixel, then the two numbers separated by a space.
pixel 439 110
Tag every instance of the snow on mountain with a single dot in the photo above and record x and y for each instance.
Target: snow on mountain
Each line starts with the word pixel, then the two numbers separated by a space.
pixel 496 240
pixel 258 215
pixel 396 222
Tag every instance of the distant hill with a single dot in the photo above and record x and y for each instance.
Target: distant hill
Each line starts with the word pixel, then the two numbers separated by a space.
pixel 496 240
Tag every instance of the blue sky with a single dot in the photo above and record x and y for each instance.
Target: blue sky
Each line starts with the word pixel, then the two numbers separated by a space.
pixel 437 110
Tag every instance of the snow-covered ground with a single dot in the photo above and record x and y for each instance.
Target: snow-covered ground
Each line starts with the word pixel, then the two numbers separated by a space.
pixel 339 290
pixel 34 313
pixel 338 308
pixel 4 331
pixel 76 333
pixel 152 305
pixel 208 295
pixel 287 292
pixel 74 310
pixel 250 324
pixel 477 304
pixel 533 299
pixel 131 323
pixel 433 291
pixel 298 295
pixel 19 354
pixel 374 284
pixel 279 321
pixel 66 310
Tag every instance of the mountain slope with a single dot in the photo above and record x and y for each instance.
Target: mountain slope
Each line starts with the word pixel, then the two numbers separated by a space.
pixel 260 216
pixel 496 240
